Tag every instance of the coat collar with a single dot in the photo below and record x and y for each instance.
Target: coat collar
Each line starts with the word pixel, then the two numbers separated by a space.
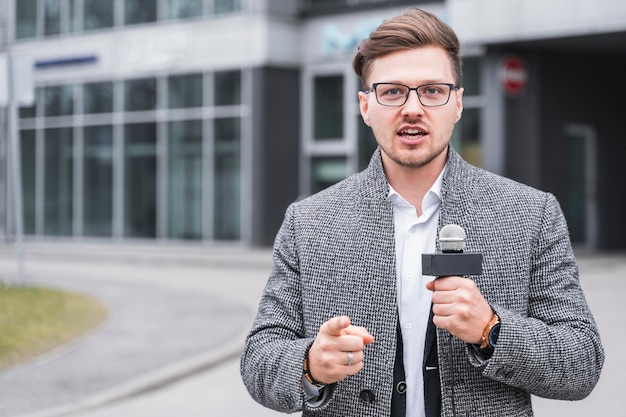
pixel 456 179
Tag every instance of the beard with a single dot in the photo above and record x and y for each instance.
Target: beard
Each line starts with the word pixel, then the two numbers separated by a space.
pixel 413 160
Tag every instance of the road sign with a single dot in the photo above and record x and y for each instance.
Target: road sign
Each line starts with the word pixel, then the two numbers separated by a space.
pixel 513 75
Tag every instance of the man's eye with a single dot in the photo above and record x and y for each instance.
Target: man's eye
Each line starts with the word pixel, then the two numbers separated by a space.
pixel 431 91
pixel 394 92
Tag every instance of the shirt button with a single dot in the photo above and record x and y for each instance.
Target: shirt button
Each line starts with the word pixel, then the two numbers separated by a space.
pixel 408 326
pixel 409 275
pixel 367 396
pixel 401 387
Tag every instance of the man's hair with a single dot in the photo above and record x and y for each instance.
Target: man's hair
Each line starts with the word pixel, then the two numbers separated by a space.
pixel 412 29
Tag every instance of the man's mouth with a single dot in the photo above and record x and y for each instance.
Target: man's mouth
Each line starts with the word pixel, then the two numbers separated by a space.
pixel 412 133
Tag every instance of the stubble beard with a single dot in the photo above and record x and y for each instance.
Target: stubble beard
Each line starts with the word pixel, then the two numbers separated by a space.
pixel 414 161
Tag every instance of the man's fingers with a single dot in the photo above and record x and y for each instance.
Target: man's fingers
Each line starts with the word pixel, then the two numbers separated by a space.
pixel 338 350
pixel 340 326
pixel 445 283
pixel 361 332
pixel 336 326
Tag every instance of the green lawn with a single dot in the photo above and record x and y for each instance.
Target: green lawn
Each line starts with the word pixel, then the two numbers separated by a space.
pixel 35 320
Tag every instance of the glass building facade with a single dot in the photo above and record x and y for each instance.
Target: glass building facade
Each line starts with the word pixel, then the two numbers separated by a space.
pixel 136 158
pixel 50 18
pixel 143 142
pixel 201 120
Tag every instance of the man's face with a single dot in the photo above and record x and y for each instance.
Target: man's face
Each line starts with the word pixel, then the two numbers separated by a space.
pixel 411 136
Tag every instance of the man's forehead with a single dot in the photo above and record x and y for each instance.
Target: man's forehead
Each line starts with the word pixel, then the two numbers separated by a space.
pixel 424 64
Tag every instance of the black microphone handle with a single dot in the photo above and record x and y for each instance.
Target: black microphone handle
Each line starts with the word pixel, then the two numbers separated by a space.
pixel 449 264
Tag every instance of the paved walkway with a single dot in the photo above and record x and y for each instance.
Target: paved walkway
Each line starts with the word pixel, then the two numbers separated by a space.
pixel 178 316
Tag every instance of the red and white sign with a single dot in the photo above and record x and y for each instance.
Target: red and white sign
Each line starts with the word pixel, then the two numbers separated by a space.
pixel 513 75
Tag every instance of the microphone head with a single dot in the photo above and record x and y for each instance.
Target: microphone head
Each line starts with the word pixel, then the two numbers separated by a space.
pixel 452 238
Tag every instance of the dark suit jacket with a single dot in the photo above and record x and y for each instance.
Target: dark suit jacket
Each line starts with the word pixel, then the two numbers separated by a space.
pixel 334 255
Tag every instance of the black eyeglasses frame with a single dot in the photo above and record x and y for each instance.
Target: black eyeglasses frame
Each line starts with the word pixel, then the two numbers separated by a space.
pixel 451 87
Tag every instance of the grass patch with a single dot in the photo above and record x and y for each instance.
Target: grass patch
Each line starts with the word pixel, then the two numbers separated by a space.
pixel 35 320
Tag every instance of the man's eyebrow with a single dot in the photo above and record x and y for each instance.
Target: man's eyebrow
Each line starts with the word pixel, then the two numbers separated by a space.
pixel 423 82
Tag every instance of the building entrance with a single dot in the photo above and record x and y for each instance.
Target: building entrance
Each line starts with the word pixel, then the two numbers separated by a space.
pixel 581 204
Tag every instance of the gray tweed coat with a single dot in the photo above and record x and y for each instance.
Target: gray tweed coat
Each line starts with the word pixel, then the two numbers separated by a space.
pixel 334 255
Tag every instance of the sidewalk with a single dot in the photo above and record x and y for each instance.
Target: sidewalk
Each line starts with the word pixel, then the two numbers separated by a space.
pixel 174 311
pixel 178 318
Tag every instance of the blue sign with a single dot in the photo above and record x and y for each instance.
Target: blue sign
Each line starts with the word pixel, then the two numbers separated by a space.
pixel 63 62
pixel 335 41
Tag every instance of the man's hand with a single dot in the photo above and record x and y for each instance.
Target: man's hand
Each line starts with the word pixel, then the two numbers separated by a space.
pixel 328 356
pixel 460 308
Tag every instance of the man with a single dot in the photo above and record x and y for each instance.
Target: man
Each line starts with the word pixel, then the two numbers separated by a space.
pixel 349 326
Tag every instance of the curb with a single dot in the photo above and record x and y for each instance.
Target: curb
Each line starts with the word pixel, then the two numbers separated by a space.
pixel 151 381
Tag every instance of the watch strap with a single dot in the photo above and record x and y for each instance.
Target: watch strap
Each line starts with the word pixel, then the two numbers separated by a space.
pixel 484 340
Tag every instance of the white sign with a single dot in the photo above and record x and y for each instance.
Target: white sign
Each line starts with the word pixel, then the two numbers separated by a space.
pixel 21 79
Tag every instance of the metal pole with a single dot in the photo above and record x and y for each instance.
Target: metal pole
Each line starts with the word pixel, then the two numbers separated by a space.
pixel 15 156
pixel 16 174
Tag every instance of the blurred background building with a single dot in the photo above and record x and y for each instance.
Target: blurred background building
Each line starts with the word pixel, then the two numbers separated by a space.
pixel 201 120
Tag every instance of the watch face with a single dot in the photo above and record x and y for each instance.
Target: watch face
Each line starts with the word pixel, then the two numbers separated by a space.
pixel 493 334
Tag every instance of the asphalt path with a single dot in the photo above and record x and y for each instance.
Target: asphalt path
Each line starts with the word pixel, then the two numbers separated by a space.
pixel 178 318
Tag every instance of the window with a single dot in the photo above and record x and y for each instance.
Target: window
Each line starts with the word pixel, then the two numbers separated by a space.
pixel 185 179
pixel 326 171
pixel 58 178
pixel 52 17
pixel 28 154
pixel 98 14
pixel 227 159
pixel 466 137
pixel 141 94
pixel 227 88
pixel 140 170
pixel 185 91
pixel 98 97
pixel 328 107
pixel 227 181
pixel 98 181
pixel 59 100
pixel 184 9
pixel 96 205
pixel 140 11
pixel 471 76
pixel 44 18
pixel 366 142
pixel 334 6
pixel 73 21
pixel 30 111
pixel 26 19
pixel 226 6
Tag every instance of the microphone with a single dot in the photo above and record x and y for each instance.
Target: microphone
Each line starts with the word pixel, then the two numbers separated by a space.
pixel 452 260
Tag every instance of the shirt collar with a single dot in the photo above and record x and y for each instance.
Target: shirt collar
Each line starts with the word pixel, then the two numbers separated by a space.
pixel 432 197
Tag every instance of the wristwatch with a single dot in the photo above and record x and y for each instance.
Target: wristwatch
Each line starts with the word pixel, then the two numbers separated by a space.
pixel 490 336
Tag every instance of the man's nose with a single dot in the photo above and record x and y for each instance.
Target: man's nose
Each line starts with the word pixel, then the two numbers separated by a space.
pixel 413 104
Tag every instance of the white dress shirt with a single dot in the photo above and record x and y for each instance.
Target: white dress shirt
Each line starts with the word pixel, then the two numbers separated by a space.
pixel 414 236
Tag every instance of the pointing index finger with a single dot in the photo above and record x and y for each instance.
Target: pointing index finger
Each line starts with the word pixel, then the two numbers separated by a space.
pixel 337 325
pixel 362 332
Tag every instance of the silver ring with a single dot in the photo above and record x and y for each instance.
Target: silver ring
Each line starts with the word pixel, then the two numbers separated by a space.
pixel 350 358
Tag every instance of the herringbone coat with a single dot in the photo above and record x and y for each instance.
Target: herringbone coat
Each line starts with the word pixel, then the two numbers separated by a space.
pixel 334 255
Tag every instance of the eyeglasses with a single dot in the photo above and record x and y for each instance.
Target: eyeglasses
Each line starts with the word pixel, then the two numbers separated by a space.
pixel 395 95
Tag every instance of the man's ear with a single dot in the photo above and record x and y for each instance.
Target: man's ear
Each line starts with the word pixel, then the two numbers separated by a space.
pixel 363 106
pixel 459 103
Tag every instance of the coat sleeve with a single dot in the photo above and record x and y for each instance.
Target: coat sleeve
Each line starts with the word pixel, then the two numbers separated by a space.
pixel 554 350
pixel 273 354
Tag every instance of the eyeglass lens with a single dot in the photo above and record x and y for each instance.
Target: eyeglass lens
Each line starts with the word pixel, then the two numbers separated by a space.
pixel 431 95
